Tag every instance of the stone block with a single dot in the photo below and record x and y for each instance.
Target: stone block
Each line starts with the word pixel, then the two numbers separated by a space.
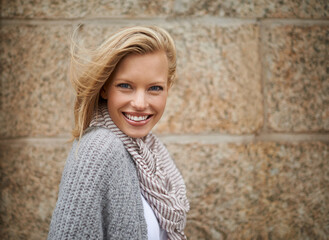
pixel 30 174
pixel 296 63
pixel 35 93
pixel 315 9
pixel 218 87
pixel 255 190
pixel 85 9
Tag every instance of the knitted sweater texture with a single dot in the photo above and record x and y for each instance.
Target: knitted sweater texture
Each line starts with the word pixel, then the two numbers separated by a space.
pixel 99 195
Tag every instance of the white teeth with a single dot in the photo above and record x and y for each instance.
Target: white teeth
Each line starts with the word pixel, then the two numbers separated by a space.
pixel 136 118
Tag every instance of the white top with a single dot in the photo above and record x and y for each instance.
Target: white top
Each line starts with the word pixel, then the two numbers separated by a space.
pixel 154 231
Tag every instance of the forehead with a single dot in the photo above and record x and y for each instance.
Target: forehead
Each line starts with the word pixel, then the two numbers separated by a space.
pixel 150 65
pixel 144 59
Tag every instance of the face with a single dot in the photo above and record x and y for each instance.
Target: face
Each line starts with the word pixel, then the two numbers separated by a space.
pixel 137 92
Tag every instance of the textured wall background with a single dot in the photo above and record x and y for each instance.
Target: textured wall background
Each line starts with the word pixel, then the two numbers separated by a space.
pixel 247 121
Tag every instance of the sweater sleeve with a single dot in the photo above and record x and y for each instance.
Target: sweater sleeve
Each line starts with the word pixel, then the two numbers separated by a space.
pixel 93 202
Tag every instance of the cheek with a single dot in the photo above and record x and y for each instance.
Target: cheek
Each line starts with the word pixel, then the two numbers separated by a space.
pixel 115 99
pixel 159 103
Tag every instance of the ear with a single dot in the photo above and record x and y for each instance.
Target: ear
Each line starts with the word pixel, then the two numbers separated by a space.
pixel 104 92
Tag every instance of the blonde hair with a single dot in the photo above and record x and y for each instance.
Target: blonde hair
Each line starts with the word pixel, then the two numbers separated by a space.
pixel 89 76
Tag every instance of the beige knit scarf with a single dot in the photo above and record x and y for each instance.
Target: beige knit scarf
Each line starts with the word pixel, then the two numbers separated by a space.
pixel 160 181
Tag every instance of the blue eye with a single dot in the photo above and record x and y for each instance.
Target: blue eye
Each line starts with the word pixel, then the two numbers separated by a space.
pixel 156 88
pixel 123 85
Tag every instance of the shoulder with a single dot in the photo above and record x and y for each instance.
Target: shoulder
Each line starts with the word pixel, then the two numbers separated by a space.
pixel 98 151
pixel 99 160
pixel 98 144
pixel 99 181
pixel 100 139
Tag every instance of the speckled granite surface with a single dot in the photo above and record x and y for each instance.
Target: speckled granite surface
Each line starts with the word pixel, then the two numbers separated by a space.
pixel 256 191
pixel 218 80
pixel 35 92
pixel 297 77
pixel 318 9
pixel 89 9
pixel 30 175
pixel 254 8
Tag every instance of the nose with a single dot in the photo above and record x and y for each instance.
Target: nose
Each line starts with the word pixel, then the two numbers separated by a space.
pixel 139 101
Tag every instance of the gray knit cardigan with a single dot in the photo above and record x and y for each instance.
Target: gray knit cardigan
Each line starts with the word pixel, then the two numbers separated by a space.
pixel 99 195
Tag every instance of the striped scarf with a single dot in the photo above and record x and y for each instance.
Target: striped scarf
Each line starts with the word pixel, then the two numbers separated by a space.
pixel 160 181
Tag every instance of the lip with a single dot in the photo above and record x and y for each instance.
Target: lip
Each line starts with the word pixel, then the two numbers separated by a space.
pixel 139 123
pixel 137 114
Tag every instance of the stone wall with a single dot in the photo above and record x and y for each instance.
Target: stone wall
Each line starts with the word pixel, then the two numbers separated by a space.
pixel 247 120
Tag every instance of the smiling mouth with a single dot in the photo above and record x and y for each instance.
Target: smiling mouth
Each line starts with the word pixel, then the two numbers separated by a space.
pixel 138 118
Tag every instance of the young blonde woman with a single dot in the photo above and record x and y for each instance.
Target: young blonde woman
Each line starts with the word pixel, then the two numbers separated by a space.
pixel 119 181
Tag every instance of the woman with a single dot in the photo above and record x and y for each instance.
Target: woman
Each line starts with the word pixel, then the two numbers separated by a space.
pixel 119 181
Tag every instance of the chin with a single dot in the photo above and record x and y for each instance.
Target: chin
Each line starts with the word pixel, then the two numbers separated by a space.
pixel 139 134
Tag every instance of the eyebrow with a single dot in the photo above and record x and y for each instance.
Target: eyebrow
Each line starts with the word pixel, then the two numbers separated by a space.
pixel 129 81
pixel 122 80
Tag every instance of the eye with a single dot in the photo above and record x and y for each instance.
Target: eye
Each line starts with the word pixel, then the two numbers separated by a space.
pixel 124 85
pixel 156 88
